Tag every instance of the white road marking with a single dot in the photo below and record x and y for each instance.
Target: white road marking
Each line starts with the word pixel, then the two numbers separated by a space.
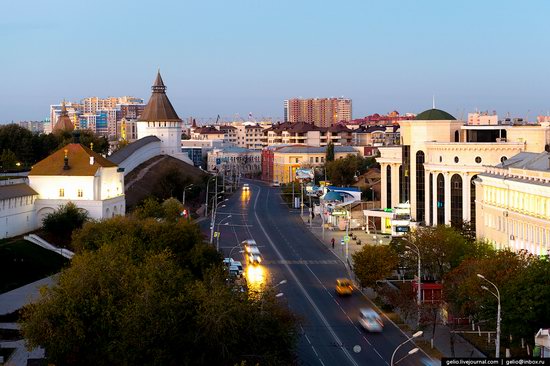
pixel 304 291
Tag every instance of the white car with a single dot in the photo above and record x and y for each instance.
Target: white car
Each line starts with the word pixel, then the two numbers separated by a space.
pixel 248 244
pixel 275 184
pixel 246 187
pixel 228 262
pixel 254 256
pixel 370 320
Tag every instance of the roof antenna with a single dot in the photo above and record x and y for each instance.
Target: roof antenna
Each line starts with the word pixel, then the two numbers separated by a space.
pixel 433 101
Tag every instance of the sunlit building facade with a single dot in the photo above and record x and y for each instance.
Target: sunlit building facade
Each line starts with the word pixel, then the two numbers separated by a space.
pixel 513 203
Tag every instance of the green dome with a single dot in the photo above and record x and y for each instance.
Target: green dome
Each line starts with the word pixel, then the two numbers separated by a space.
pixel 434 115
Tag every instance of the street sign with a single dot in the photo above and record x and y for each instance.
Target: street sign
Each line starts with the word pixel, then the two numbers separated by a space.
pixel 346 238
pixel 216 234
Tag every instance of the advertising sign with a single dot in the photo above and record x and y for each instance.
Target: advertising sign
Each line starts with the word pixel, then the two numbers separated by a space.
pixel 304 173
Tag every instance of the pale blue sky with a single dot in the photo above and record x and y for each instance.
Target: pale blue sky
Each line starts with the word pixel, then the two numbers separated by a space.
pixel 231 56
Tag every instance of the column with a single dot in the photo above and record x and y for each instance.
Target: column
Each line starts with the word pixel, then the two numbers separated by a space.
pixel 433 209
pixel 466 196
pixel 427 208
pixel 384 185
pixel 447 205
pixel 395 188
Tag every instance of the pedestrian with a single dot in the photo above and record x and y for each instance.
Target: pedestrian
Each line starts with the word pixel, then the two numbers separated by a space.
pixel 332 242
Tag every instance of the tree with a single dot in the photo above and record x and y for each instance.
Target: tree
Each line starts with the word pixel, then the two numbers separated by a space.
pixel 330 152
pixel 149 292
pixel 341 172
pixel 63 221
pixel 149 208
pixel 8 159
pixel 373 263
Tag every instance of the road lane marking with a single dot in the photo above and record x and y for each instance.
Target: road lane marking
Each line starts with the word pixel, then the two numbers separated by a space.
pixel 306 294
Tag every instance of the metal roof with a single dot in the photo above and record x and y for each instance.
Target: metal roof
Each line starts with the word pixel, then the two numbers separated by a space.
pixel 159 108
pixel 16 190
pixel 122 154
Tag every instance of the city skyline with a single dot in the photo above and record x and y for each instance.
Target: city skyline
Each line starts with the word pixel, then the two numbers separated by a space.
pixel 227 58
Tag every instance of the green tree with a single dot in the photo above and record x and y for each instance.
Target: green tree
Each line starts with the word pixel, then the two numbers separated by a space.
pixel 373 263
pixel 172 209
pixel 341 172
pixel 149 208
pixel 8 159
pixel 330 152
pixel 62 222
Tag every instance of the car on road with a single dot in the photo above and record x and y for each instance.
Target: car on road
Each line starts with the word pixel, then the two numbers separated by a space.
pixel 246 187
pixel 370 320
pixel 275 184
pixel 344 286
pixel 234 271
pixel 228 261
pixel 254 256
pixel 239 267
pixel 248 243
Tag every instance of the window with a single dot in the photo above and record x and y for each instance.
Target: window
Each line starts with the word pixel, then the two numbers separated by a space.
pixel 61 192
pixel 441 159
pixel 478 159
pixel 456 200
pixel 503 159
pixel 79 192
pixel 420 189
pixel 457 159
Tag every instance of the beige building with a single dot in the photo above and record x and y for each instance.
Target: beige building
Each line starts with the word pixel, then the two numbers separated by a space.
pixel 303 133
pixel 439 158
pixel 287 159
pixel 513 203
pixel 234 160
pixel 322 112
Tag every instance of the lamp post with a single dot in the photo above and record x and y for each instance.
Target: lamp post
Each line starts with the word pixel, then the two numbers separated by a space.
pixel 207 185
pixel 213 219
pixel 419 281
pixel 415 335
pixel 347 231
pixel 497 295
pixel 218 238
pixel 184 189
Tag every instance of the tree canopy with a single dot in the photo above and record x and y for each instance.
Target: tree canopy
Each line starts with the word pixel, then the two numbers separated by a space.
pixel 373 263
pixel 62 222
pixel 148 291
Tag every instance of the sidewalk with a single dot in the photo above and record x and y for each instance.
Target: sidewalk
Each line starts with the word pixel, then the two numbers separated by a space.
pixel 442 339
pixel 15 299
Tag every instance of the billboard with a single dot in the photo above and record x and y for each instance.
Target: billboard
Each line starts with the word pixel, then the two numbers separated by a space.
pixel 304 174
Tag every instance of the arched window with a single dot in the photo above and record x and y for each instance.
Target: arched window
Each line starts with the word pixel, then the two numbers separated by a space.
pixel 457 136
pixel 440 199
pixel 388 186
pixel 456 200
pixel 431 199
pixel 420 188
pixel 473 202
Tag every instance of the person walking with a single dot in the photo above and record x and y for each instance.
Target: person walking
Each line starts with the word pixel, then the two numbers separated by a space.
pixel 332 242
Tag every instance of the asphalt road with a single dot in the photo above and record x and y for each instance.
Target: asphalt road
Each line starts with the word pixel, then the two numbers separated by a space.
pixel 331 334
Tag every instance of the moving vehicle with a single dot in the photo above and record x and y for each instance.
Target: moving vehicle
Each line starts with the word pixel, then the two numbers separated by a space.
pixel 246 187
pixel 275 184
pixel 344 286
pixel 254 256
pixel 248 243
pixel 370 320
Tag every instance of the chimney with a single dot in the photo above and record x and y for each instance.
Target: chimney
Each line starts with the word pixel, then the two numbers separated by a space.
pixel 91 160
pixel 66 160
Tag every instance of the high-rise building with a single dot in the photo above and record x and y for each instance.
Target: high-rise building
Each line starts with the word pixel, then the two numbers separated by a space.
pixel 322 112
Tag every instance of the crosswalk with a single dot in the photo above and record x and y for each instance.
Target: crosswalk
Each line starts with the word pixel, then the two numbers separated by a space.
pixel 303 261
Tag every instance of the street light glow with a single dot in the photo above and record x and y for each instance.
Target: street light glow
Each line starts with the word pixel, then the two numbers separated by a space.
pixel 413 351
pixel 481 276
pixel 418 334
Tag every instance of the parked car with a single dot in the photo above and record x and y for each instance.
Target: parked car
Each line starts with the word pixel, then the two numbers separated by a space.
pixel 370 320
pixel 344 286
pixel 234 271
pixel 228 262
pixel 239 266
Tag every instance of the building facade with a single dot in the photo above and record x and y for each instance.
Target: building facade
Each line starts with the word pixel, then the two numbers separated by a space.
pixel 513 203
pixel 439 158
pixel 322 112
pixel 234 161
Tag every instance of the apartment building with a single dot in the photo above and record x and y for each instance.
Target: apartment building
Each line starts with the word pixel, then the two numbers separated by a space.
pixel 322 112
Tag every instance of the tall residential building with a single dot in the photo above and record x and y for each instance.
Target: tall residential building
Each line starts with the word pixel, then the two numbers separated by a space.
pixel 322 112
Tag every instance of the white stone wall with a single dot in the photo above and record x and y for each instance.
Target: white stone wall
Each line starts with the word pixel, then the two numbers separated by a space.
pixel 17 216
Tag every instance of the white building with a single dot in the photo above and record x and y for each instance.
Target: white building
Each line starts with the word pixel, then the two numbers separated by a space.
pixel 234 159
pixel 17 210
pixel 439 158
pixel 77 174
pixel 161 120
pixel 513 203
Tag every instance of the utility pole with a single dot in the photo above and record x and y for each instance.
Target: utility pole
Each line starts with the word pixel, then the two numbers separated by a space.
pixel 302 197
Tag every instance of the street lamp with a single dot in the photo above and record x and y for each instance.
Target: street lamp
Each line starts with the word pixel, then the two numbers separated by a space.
pixel 218 238
pixel 213 219
pixel 280 283
pixel 415 335
pixel 184 189
pixel 419 281
pixel 497 295
pixel 207 185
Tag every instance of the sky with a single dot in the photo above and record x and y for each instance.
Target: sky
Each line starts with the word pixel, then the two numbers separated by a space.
pixel 231 58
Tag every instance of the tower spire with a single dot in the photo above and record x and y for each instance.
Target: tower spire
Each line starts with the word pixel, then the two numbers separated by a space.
pixel 433 101
pixel 158 86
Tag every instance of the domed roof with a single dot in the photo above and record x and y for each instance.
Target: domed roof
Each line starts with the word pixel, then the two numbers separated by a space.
pixel 434 115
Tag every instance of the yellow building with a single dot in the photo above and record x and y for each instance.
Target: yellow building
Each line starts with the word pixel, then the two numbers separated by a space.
pixel 513 203
pixel 289 158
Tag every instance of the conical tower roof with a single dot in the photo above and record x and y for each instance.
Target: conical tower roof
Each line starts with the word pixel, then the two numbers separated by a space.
pixel 64 122
pixel 159 108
